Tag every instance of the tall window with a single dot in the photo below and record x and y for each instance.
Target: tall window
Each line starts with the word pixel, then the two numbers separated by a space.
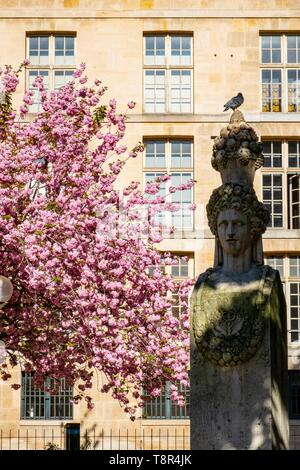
pixel 289 268
pixel 281 183
pixel 168 73
pixel 53 57
pixel 280 72
pixel 294 394
pixel 40 404
pixel 162 407
pixel 174 156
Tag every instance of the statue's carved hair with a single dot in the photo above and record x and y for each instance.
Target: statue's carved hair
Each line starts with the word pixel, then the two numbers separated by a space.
pixel 241 198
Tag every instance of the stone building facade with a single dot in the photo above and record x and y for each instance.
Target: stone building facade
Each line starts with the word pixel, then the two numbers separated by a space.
pixel 180 61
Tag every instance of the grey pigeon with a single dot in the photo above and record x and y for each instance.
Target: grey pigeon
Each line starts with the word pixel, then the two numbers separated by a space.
pixel 235 102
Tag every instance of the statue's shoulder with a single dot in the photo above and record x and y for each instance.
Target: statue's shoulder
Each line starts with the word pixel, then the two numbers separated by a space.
pixel 269 275
pixel 203 277
pixel 270 284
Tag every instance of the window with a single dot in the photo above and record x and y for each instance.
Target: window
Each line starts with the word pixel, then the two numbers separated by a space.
pixel 272 197
pixel 168 73
pixel 271 90
pixel 160 217
pixel 173 156
pixel 182 218
pixel 53 57
pixel 281 183
pixel 289 268
pixel 272 154
pixel 271 49
pixel 182 270
pixel 40 404
pixel 163 407
pixel 281 80
pixel 294 394
pixel 294 198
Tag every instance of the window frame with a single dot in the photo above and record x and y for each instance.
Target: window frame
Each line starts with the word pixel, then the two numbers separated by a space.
pixel 284 66
pixel 288 279
pixel 168 67
pixel 45 398
pixel 165 396
pixel 286 171
pixel 295 386
pixel 51 67
pixel 169 169
pixel 164 402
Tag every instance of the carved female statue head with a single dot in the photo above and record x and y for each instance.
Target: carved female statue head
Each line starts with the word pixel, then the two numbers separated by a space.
pixel 233 232
pixel 237 219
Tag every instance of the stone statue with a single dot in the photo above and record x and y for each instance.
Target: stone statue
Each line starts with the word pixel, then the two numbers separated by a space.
pixel 238 338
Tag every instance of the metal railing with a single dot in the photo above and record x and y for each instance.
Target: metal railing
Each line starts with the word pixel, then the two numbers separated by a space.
pixel 156 438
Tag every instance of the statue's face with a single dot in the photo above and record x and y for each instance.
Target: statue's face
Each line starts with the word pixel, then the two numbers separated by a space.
pixel 234 232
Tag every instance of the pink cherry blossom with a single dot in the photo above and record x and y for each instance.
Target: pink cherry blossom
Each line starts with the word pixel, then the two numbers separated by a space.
pixel 80 257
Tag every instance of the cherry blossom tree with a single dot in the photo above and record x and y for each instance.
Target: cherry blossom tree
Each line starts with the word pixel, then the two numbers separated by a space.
pixel 89 294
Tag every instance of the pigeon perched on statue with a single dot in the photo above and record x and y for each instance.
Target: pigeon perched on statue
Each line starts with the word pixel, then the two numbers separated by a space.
pixel 234 103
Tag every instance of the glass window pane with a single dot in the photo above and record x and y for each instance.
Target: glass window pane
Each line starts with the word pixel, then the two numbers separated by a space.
pixel 276 42
pixel 266 76
pixel 292 57
pixel 276 76
pixel 291 41
pixel 267 180
pixel 276 56
pixel 266 56
pixel 265 41
pixel 292 147
pixel 267 161
pixel 277 147
pixel 175 44
pixel 160 43
pixel 277 221
pixel 69 42
pixel 59 42
pixel 150 42
pixel 44 42
pixel 277 180
pixel 33 42
pixel 186 42
pixel 292 75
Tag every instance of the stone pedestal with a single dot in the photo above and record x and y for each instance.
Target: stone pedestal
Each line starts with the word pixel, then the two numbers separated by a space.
pixel 243 405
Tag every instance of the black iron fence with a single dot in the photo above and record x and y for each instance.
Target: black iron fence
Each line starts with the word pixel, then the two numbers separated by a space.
pixel 62 438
